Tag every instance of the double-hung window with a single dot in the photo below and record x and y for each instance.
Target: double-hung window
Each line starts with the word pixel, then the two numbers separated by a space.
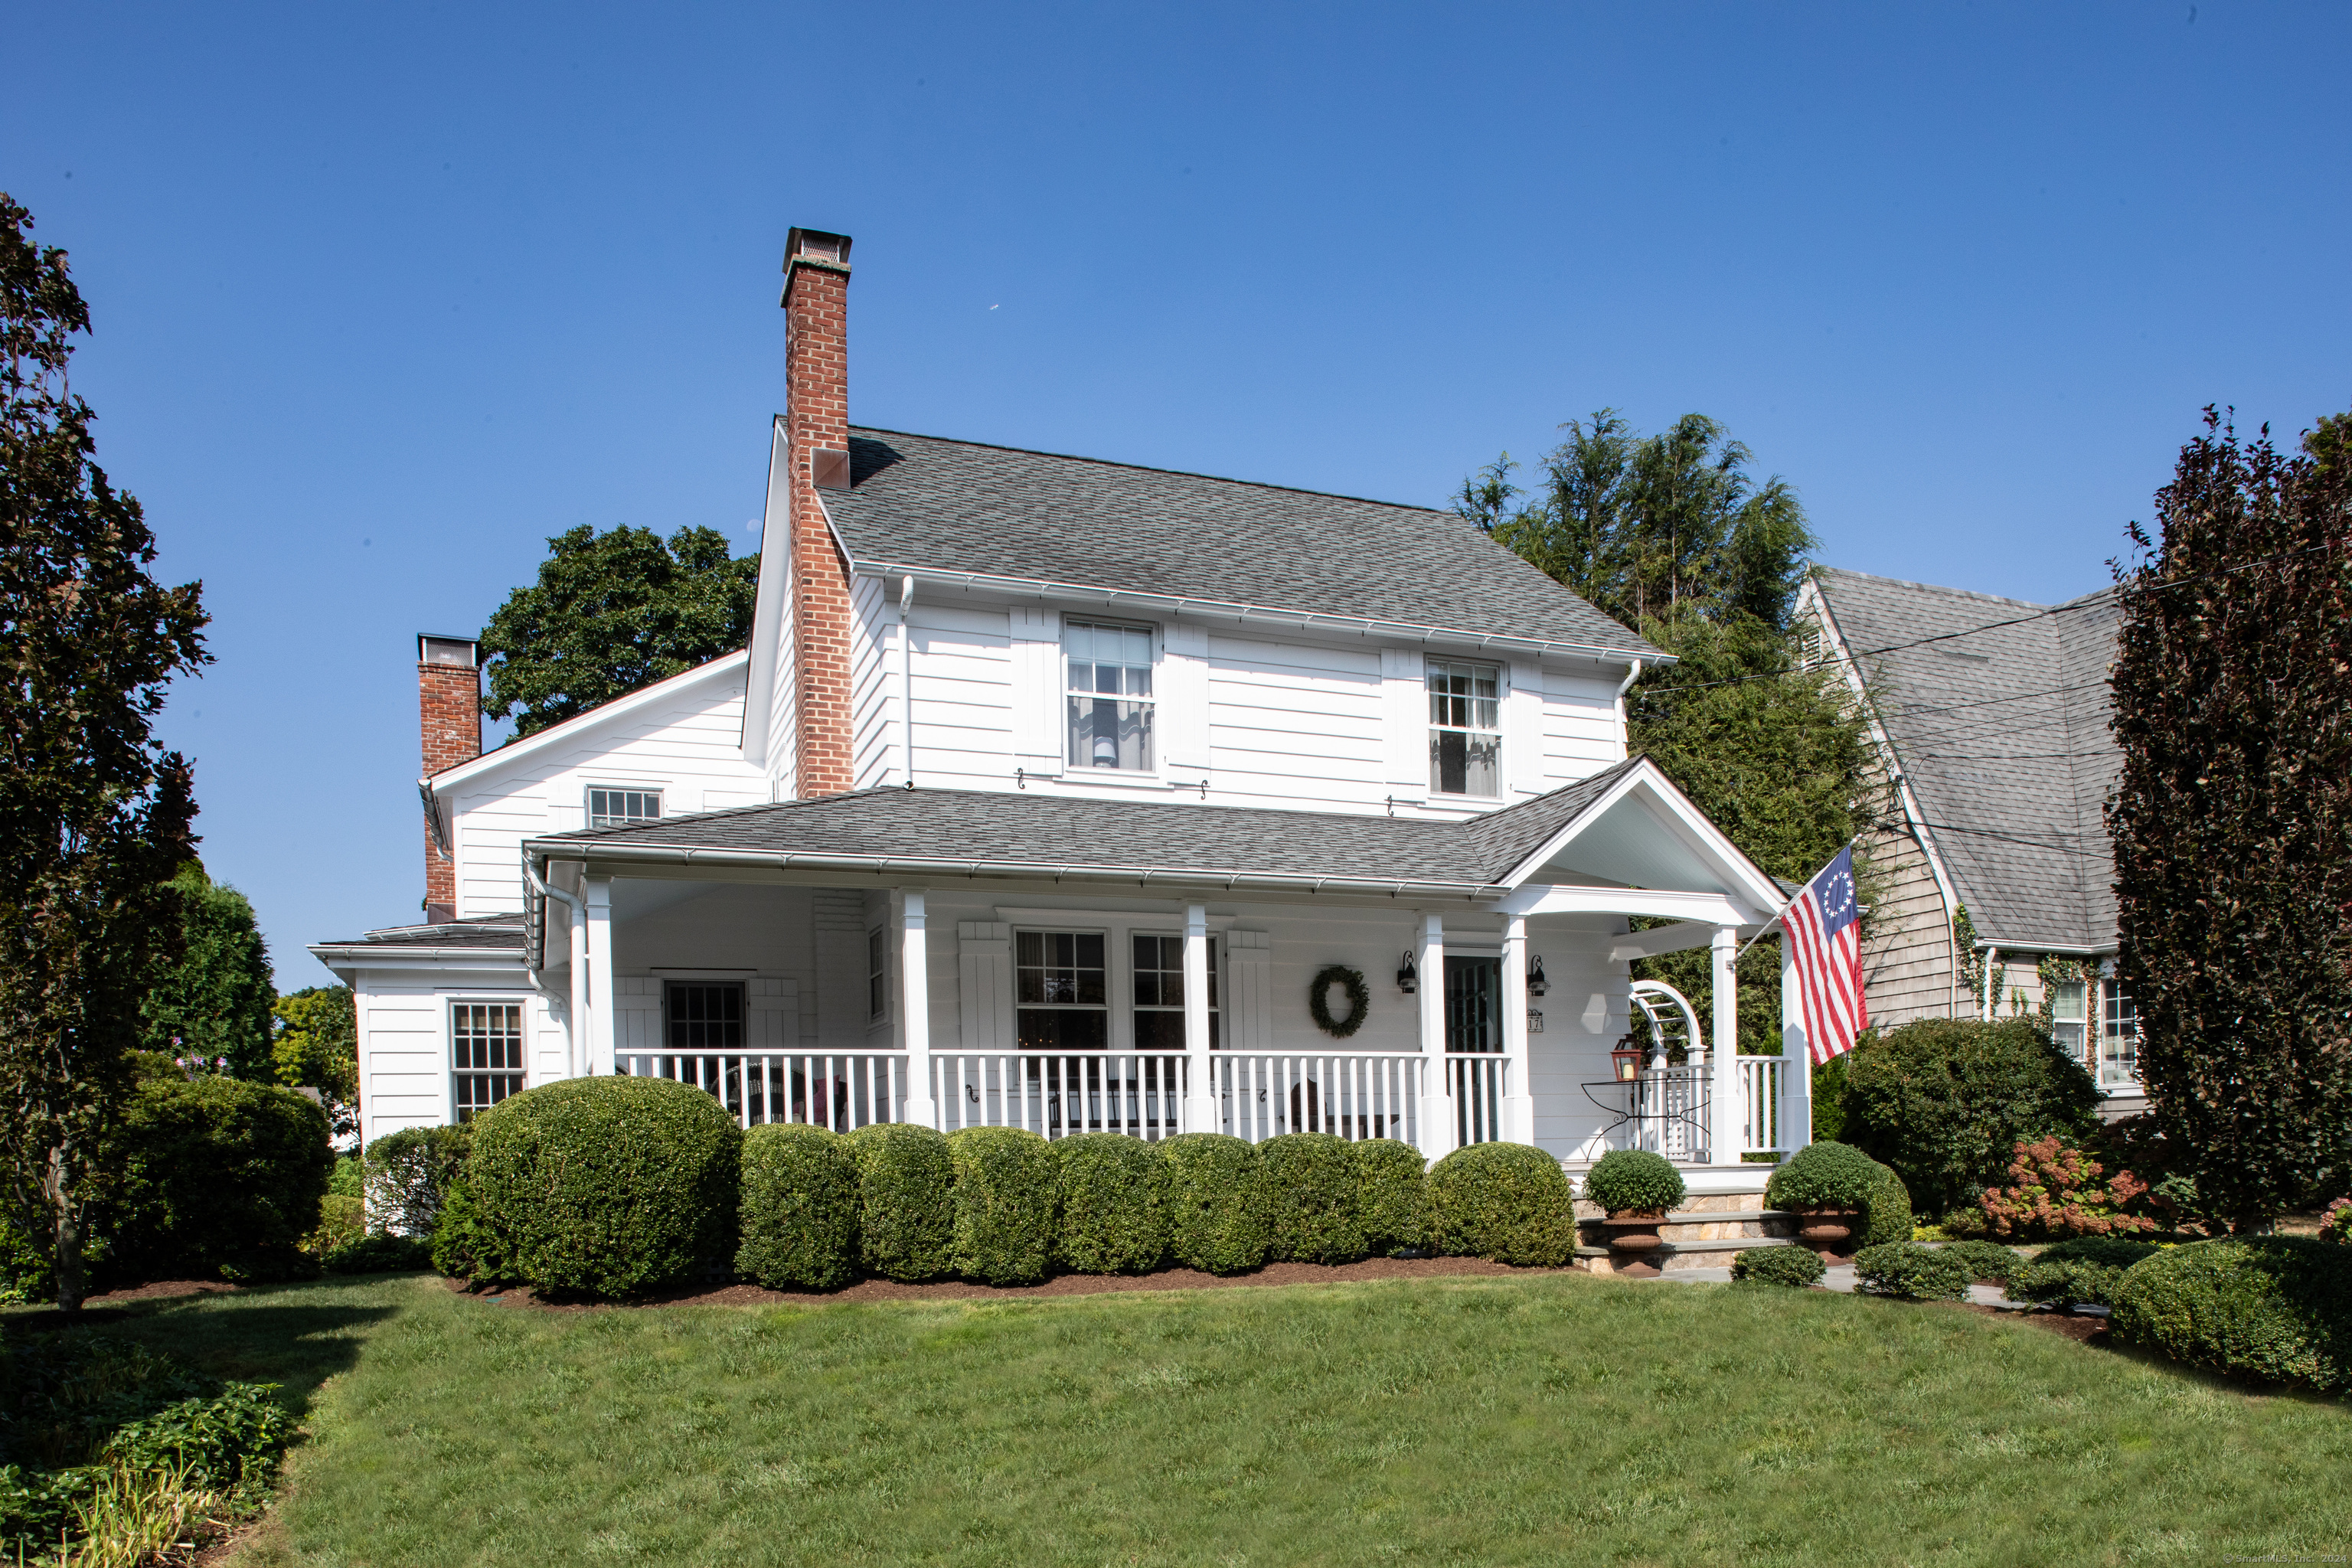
pixel 2070 1018
pixel 1160 994
pixel 622 808
pixel 486 1054
pixel 2119 1037
pixel 1466 738
pixel 1108 682
pixel 1059 991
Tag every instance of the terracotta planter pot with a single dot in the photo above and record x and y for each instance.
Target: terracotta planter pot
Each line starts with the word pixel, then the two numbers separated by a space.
pixel 1632 1238
pixel 1829 1232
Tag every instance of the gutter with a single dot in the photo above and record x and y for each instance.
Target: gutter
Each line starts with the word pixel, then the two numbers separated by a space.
pixel 361 952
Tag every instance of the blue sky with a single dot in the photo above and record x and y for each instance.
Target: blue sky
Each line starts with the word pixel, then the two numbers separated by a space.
pixel 385 296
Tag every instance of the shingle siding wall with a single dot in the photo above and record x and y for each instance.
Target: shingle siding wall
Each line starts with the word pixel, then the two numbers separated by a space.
pixel 1906 955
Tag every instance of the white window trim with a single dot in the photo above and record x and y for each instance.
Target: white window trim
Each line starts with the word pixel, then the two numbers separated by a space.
pixel 1117 985
pixel 1220 986
pixel 1070 772
pixel 1504 750
pixel 877 1019
pixel 449 1068
pixel 588 801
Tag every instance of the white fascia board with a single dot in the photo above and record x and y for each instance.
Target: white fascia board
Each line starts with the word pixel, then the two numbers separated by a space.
pixel 1098 597
pixel 580 725
pixel 1700 836
pixel 1680 937
pixel 768 612
pixel 366 955
pixel 1711 909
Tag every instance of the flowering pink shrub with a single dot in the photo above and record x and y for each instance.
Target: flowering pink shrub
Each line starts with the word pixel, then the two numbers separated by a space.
pixel 2055 1191
pixel 2335 1225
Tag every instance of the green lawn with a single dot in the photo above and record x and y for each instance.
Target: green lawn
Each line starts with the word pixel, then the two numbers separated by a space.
pixel 1493 1421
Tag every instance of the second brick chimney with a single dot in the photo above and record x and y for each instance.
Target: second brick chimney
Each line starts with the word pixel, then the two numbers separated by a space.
pixel 816 421
pixel 449 711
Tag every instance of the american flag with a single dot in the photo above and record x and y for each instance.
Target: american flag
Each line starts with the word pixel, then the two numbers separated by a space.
pixel 1825 935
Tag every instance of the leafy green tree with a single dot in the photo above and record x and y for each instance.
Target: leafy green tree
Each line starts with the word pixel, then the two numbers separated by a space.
pixel 94 814
pixel 612 612
pixel 2231 818
pixel 316 1046
pixel 212 999
pixel 2328 443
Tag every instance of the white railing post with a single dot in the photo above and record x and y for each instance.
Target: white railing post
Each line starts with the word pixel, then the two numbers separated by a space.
pixel 1796 1096
pixel 1201 1109
pixel 1436 1085
pixel 1518 1105
pixel 1723 1095
pixel 915 1007
pixel 602 1015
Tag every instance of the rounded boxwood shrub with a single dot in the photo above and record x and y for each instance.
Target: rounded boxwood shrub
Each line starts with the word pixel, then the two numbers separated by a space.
pixel 905 1200
pixel 609 1186
pixel 1823 1175
pixel 1635 1182
pixel 1885 1211
pixel 1112 1219
pixel 1911 1271
pixel 2084 1271
pixel 1986 1259
pixel 1216 1201
pixel 1796 1267
pixel 800 1209
pixel 1396 1196
pixel 1507 1202
pixel 1005 1182
pixel 1314 1198
pixel 465 1247
pixel 2276 1308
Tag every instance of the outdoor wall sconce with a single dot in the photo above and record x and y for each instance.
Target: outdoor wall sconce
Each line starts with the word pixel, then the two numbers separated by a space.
pixel 1625 1061
pixel 1408 977
pixel 1537 984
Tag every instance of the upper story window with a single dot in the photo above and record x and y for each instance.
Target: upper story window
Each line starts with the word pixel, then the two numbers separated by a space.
pixel 1059 989
pixel 1466 738
pixel 2119 1037
pixel 621 807
pixel 1109 676
pixel 1160 994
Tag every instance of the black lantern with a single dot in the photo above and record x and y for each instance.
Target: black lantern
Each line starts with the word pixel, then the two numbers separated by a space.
pixel 1537 984
pixel 1408 977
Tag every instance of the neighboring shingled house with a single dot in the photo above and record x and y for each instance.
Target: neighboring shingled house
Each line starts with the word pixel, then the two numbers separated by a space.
pixel 1991 719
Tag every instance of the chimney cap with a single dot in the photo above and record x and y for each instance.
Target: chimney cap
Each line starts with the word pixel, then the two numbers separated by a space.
pixel 435 648
pixel 815 245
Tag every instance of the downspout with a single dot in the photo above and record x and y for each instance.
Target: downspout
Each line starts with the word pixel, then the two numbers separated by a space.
pixel 1625 741
pixel 906 679
pixel 576 1029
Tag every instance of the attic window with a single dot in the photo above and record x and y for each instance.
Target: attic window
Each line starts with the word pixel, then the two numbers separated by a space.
pixel 623 807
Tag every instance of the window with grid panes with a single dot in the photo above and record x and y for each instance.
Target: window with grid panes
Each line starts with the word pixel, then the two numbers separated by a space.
pixel 701 1015
pixel 2070 1018
pixel 620 807
pixel 877 973
pixel 2119 1037
pixel 1108 683
pixel 1465 739
pixel 1160 994
pixel 1060 1001
pixel 486 1054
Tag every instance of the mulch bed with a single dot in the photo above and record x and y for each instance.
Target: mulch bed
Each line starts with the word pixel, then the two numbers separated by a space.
pixel 157 1289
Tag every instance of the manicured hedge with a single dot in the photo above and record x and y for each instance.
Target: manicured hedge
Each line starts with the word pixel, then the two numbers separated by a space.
pixel 405 1174
pixel 1915 1273
pixel 1217 1219
pixel 467 1247
pixel 2276 1308
pixel 1796 1267
pixel 1986 1259
pixel 1824 1175
pixel 905 1201
pixel 217 1178
pixel 2085 1271
pixel 800 1209
pixel 1113 1217
pixel 1634 1181
pixel 1885 1211
pixel 1396 1196
pixel 1507 1201
pixel 1005 1185
pixel 1314 1196
pixel 609 1185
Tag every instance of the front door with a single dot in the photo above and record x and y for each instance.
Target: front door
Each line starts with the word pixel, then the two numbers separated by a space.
pixel 1474 1003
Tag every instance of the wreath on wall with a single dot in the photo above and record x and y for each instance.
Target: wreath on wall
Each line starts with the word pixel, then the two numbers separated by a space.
pixel 1318 1000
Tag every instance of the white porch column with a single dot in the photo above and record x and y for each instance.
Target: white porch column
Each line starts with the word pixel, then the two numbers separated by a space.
pixel 577 1058
pixel 1437 1109
pixel 1723 1097
pixel 1518 1104
pixel 1795 1059
pixel 598 895
pixel 1202 1107
pixel 915 1007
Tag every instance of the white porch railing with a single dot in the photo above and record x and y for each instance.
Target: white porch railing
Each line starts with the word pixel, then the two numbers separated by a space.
pixel 1670 1112
pixel 1357 1095
pixel 1475 1083
pixel 1061 1094
pixel 839 1089
pixel 1763 1082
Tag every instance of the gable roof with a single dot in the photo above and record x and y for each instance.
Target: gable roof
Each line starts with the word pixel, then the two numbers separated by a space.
pixel 962 507
pixel 2002 733
pixel 571 728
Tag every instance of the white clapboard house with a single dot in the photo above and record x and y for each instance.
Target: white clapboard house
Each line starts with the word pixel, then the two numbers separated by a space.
pixel 1045 792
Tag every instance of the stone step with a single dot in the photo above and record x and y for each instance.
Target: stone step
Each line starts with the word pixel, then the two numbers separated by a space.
pixel 1682 1254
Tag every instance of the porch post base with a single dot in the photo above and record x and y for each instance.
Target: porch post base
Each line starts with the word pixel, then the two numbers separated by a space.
pixel 1518 1119
pixel 920 1110
pixel 1436 1126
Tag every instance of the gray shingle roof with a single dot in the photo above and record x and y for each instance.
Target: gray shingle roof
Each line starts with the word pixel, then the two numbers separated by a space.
pixel 959 506
pixel 2003 735
pixel 488 932
pixel 1023 829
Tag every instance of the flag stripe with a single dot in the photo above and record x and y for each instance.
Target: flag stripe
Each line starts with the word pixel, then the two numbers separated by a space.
pixel 1827 967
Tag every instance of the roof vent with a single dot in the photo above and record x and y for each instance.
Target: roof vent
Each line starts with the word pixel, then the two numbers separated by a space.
pixel 830 467
pixel 815 245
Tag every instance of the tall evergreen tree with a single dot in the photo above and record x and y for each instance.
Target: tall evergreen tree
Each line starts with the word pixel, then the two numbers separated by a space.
pixel 2233 818
pixel 212 999
pixel 94 814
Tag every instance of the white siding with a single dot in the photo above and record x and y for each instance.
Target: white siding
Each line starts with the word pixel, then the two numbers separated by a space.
pixel 872 684
pixel 404 1040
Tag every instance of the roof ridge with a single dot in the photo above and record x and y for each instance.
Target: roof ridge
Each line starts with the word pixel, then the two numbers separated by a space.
pixel 1148 469
pixel 1933 587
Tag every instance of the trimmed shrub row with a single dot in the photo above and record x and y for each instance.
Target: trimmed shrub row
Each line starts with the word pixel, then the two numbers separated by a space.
pixel 1915 1273
pixel 2275 1307
pixel 2082 1272
pixel 1794 1267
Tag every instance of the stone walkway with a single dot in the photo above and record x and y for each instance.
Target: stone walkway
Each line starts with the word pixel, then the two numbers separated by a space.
pixel 1841 1278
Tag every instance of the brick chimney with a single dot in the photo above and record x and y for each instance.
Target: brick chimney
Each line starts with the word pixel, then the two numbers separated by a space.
pixel 449 712
pixel 816 423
